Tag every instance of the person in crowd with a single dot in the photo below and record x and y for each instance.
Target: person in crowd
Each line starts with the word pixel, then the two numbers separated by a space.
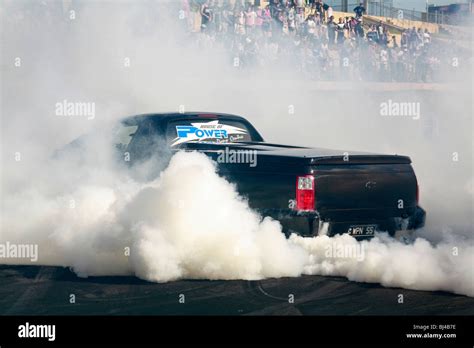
pixel 310 10
pixel 297 32
pixel 347 27
pixel 359 10
pixel 217 8
pixel 426 37
pixel 250 19
pixel 227 20
pixel 300 19
pixel 259 18
pixel 373 34
pixel 240 23
pixel 404 39
pixel 318 7
pixel 394 42
pixel 317 19
pixel 332 27
pixel 383 38
pixel 340 31
pixel 285 28
pixel 329 11
pixel 412 39
pixel 352 27
pixel 380 27
pixel 311 25
pixel 267 21
pixel 359 29
pixel 291 19
pixel 384 65
pixel 205 15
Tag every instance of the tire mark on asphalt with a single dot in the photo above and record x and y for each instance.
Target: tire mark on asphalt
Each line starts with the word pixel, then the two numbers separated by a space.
pixel 32 290
pixel 258 285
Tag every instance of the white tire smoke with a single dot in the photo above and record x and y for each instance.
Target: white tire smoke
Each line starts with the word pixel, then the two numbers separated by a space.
pixel 189 223
pixel 192 224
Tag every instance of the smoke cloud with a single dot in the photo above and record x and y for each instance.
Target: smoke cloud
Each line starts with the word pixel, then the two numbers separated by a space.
pixel 186 222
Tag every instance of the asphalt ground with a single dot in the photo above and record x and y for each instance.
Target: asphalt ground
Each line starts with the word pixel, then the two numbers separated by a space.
pixel 40 290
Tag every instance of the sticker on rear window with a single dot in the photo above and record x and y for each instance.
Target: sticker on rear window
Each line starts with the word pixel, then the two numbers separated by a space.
pixel 212 131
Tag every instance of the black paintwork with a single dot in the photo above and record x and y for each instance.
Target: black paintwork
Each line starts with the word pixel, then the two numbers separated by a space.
pixel 351 187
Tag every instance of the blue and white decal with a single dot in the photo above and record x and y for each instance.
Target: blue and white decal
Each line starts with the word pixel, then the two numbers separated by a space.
pixel 212 131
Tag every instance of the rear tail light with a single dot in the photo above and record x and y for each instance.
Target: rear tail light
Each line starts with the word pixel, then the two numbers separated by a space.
pixel 305 196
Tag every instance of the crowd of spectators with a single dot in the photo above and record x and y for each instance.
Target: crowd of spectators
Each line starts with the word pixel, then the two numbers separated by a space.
pixel 312 39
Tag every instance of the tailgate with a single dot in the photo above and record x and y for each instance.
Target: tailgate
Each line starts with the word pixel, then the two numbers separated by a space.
pixel 368 190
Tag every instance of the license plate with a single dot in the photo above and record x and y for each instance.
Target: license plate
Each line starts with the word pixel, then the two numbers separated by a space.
pixel 362 230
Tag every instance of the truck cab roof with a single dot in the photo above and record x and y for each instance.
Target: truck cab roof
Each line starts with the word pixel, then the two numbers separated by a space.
pixel 166 116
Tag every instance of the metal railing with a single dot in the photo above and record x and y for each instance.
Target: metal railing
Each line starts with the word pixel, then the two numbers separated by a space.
pixel 376 8
pixel 386 9
pixel 342 8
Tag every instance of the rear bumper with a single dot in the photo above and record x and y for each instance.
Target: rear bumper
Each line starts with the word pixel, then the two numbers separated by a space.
pixel 305 223
pixel 310 223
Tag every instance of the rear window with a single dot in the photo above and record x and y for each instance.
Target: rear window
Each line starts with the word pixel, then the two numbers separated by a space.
pixel 209 131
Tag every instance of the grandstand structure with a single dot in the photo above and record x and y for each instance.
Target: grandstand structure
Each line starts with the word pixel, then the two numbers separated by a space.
pixel 456 13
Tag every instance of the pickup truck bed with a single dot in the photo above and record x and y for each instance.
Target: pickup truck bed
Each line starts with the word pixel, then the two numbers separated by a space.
pixel 351 188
